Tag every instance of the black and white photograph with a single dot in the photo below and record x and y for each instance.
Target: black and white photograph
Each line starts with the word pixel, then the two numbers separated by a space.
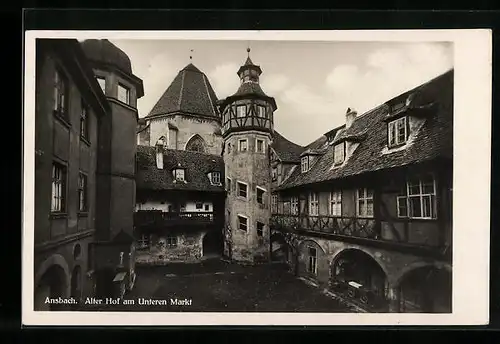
pixel 232 175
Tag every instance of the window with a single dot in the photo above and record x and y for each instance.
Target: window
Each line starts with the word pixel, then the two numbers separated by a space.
pixel 228 185
pixel 241 111
pixel 274 203
pixel 242 145
pixel 312 263
pixel 102 83
pixel 242 190
pixel 196 144
pixel 82 192
pixel 295 205
pixel 84 121
pixel 199 206
pixel 171 241
pixel 418 201
pixel 260 229
pixel 339 154
pixel 143 242
pixel 179 174
pixel 216 178
pixel 261 111
pixel 60 94
pixel 336 203
pixel 259 146
pixel 304 163
pixel 207 207
pixel 397 132
pixel 274 173
pixel 242 223
pixel 58 203
pixel 313 204
pixel 123 94
pixel 260 195
pixel 364 202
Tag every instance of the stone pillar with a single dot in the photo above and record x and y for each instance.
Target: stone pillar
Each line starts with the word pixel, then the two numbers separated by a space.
pixel 393 298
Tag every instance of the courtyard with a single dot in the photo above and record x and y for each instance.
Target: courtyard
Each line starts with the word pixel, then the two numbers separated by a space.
pixel 217 286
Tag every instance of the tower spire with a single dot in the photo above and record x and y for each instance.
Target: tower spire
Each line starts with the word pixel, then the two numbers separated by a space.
pixel 191 55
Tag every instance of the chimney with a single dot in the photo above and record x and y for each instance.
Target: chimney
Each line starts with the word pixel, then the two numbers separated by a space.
pixel 159 154
pixel 350 116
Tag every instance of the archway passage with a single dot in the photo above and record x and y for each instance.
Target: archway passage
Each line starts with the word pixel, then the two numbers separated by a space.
pixel 357 276
pixel 426 289
pixel 52 285
pixel 196 144
pixel 280 250
pixel 213 244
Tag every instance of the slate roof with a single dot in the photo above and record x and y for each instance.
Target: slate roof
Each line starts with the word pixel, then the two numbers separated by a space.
pixel 433 140
pixel 250 88
pixel 190 92
pixel 197 165
pixel 286 150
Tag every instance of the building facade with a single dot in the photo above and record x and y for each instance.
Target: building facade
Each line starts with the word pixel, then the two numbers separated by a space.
pixel 179 213
pixel 367 211
pixel 83 141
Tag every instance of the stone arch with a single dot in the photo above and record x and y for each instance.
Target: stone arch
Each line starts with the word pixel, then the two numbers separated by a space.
pixel 212 243
pixel 358 275
pixel 425 287
pixel 196 143
pixel 312 261
pixel 51 280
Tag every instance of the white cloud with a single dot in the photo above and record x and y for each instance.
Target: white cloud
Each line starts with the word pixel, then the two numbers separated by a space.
pixel 274 83
pixel 224 79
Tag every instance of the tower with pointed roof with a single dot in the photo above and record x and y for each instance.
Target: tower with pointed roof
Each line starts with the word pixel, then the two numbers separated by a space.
pixel 186 115
pixel 247 119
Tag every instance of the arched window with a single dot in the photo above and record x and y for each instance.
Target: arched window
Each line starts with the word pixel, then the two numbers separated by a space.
pixel 196 143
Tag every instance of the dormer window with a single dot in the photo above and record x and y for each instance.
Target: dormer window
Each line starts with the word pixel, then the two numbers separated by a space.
pixel 398 132
pixel 179 174
pixel 339 153
pixel 304 164
pixel 215 178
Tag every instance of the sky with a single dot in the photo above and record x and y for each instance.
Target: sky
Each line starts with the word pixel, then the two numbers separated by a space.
pixel 313 82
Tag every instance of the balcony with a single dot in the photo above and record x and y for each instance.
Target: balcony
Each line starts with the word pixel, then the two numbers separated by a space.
pixel 158 218
pixel 394 233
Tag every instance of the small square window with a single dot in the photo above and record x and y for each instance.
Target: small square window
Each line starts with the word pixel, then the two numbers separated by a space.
pixel 242 223
pixel 123 94
pixel 171 242
pixel 216 178
pixel 199 206
pixel 207 207
pixel 179 174
pixel 243 145
pixel 260 196
pixel 260 229
pixel 242 190
pixel 259 146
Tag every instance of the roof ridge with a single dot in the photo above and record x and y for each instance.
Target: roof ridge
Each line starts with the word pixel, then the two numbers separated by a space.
pixel 208 93
pixel 182 88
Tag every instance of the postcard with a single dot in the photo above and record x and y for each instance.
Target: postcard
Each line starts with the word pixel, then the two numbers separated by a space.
pixel 257 177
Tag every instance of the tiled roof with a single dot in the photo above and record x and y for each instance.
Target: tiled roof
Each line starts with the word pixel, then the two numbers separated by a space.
pixel 190 92
pixel 249 88
pixel 286 150
pixel 434 139
pixel 197 166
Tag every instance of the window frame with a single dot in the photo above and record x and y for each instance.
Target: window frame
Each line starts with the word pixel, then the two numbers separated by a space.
pixel 336 160
pixel 261 230
pixel 294 205
pixel 405 200
pixel 264 191
pixel 312 260
pixel 127 93
pixel 214 176
pixel 239 189
pixel 84 121
pixel 366 201
pixel 61 185
pixel 83 192
pixel 240 141
pixel 261 109
pixel 396 134
pixel 238 107
pixel 171 241
pixel 335 203
pixel 274 174
pixel 176 170
pixel 274 203
pixel 304 164
pixel 144 242
pixel 313 203
pixel 61 87
pixel 257 146
pixel 240 217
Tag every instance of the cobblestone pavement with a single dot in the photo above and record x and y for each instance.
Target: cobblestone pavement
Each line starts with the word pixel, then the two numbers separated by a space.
pixel 216 286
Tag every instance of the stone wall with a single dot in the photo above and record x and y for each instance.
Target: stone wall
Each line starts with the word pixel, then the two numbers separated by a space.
pixel 188 249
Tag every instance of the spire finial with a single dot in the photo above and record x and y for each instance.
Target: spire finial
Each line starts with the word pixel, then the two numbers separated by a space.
pixel 248 51
pixel 191 56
